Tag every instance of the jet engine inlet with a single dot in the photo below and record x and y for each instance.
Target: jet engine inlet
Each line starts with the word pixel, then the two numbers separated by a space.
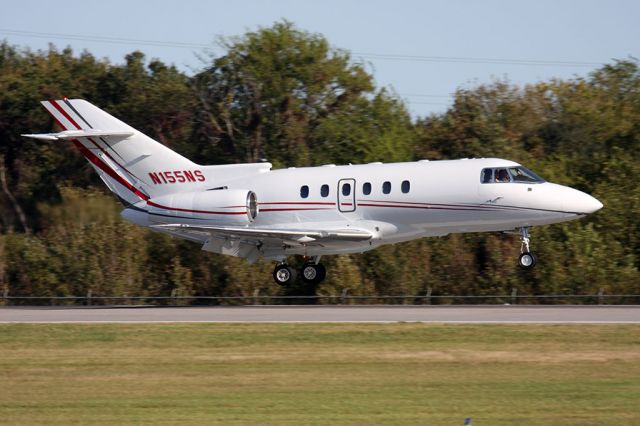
pixel 252 205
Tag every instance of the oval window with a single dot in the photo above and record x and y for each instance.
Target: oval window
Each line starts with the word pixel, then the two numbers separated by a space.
pixel 366 188
pixel 406 186
pixel 324 190
pixel 386 187
pixel 346 189
pixel 304 191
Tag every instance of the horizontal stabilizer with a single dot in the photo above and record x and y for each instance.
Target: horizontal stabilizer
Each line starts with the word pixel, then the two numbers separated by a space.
pixel 73 134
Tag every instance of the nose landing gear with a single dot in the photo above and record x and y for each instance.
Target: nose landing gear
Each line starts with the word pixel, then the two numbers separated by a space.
pixel 527 260
pixel 312 272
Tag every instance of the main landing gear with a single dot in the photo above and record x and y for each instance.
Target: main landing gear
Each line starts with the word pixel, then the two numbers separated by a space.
pixel 312 272
pixel 527 260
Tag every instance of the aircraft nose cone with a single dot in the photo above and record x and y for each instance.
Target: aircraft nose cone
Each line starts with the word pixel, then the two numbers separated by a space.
pixel 582 203
pixel 597 205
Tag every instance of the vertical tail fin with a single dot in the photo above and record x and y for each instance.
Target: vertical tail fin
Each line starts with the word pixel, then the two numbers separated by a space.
pixel 133 166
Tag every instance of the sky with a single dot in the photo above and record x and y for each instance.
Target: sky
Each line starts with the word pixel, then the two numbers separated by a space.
pixel 421 50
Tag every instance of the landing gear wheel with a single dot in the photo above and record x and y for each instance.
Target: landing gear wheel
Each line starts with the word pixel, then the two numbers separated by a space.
pixel 284 274
pixel 312 273
pixel 527 260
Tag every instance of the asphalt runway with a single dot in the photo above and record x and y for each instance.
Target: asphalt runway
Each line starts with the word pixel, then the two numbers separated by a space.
pixel 327 314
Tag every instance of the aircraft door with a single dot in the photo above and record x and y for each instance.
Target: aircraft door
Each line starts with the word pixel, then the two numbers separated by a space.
pixel 347 195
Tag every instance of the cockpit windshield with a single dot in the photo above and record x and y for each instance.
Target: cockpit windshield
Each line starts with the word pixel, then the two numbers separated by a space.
pixel 509 174
pixel 522 174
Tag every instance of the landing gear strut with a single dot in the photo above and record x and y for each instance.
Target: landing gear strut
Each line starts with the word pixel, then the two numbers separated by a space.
pixel 312 272
pixel 527 260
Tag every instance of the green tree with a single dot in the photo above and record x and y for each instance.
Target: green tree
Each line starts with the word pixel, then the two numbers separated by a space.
pixel 284 94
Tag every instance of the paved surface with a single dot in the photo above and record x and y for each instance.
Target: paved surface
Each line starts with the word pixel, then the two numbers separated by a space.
pixel 381 314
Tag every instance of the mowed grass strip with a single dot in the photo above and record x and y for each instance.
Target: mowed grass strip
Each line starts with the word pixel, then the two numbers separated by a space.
pixel 317 374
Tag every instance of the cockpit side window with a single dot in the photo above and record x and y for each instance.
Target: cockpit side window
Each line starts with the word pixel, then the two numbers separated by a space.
pixel 501 175
pixel 487 176
pixel 511 174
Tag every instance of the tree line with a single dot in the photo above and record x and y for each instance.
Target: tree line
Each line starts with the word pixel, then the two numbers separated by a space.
pixel 285 95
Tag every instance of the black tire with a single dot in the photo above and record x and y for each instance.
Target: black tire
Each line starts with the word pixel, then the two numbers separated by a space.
pixel 312 273
pixel 322 273
pixel 527 260
pixel 284 275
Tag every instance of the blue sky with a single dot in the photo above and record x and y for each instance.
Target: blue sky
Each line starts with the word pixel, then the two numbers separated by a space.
pixel 580 33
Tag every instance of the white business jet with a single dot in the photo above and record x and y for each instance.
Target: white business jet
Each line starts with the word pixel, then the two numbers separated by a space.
pixel 251 211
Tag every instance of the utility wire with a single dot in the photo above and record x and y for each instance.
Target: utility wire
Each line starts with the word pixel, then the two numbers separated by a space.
pixel 101 39
pixel 412 95
pixel 380 56
pixel 118 40
pixel 468 60
pixel 428 103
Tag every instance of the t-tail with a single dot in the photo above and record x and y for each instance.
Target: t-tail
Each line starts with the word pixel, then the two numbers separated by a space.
pixel 134 166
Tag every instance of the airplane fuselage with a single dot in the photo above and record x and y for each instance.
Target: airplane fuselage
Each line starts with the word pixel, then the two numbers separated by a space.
pixel 399 201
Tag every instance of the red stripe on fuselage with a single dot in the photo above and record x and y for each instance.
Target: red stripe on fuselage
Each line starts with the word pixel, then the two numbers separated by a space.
pixel 151 203
pixel 423 207
pixel 300 202
pixel 434 205
pixel 292 209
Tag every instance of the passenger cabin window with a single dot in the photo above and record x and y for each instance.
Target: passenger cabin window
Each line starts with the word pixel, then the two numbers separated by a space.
pixel 511 174
pixel 346 189
pixel 405 187
pixel 324 190
pixel 386 187
pixel 366 188
pixel 304 191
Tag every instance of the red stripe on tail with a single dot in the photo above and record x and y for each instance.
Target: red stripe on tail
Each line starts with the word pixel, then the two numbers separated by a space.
pixel 63 112
pixel 108 170
pixel 62 126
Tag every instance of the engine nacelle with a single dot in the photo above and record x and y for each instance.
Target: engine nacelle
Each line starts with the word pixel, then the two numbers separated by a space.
pixel 221 206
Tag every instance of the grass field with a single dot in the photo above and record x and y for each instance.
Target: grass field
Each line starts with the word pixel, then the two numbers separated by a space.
pixel 346 374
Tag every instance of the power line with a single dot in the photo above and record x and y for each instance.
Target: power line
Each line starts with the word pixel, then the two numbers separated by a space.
pixel 405 97
pixel 101 39
pixel 380 56
pixel 416 95
pixel 469 60
pixel 428 103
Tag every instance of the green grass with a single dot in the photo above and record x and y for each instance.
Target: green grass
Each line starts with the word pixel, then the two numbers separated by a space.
pixel 346 374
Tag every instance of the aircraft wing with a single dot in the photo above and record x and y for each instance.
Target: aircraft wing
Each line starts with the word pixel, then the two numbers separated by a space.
pixel 301 236
pixel 251 243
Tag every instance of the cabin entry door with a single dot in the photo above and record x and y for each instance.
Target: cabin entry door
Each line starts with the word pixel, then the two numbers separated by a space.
pixel 347 195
